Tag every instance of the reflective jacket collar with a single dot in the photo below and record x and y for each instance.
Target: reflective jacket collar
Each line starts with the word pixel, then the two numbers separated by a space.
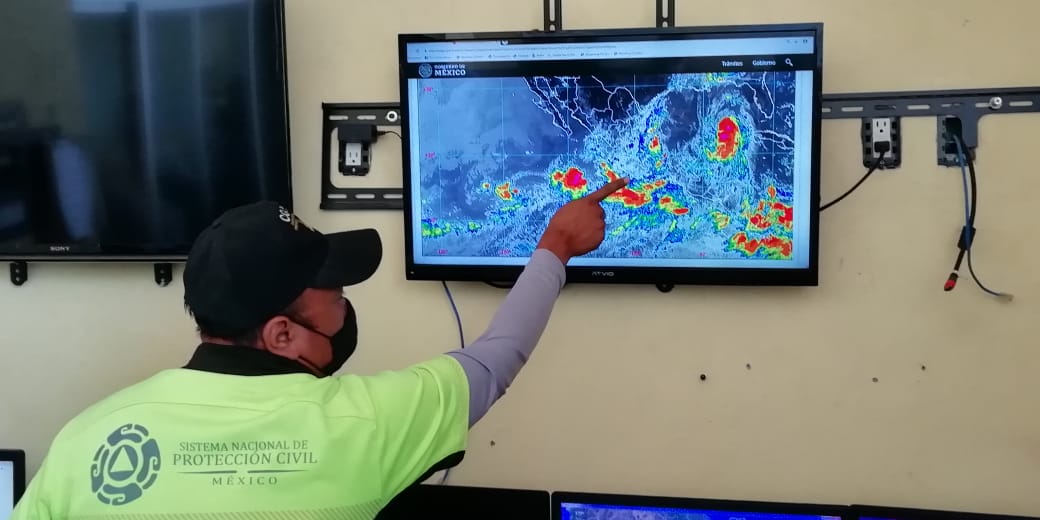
pixel 242 361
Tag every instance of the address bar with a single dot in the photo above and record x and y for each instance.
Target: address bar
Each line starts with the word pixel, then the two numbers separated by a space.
pixel 462 47
pixel 481 51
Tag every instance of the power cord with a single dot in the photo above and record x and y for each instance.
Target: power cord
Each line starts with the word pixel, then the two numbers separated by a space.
pixel 499 285
pixel 455 309
pixel 394 132
pixel 881 148
pixel 462 344
pixel 967 236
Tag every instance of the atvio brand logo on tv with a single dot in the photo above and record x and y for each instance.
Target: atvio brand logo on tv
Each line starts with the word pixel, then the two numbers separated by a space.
pixel 442 70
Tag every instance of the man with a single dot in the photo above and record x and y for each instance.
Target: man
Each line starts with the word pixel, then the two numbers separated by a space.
pixel 255 425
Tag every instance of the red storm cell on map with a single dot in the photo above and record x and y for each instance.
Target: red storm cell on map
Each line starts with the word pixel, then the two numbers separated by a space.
pixel 504 192
pixel 573 181
pixel 728 139
pixel 771 246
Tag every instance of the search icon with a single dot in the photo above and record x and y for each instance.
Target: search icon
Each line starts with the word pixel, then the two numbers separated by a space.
pixel 788 62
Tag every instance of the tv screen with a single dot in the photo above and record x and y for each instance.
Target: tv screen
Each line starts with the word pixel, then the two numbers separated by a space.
pixel 716 128
pixel 126 126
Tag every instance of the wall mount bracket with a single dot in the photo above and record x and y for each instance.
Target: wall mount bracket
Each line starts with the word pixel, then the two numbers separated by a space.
pixel 553 15
pixel 967 105
pixel 337 115
pixel 163 273
pixel 19 272
pixel 665 13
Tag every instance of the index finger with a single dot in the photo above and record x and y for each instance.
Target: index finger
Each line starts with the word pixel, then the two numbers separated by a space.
pixel 607 189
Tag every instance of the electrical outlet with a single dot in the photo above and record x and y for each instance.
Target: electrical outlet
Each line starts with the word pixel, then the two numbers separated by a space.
pixel 355 147
pixel 948 127
pixel 352 154
pixel 880 130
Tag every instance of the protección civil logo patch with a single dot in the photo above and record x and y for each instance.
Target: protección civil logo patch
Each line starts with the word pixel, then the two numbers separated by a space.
pixel 125 465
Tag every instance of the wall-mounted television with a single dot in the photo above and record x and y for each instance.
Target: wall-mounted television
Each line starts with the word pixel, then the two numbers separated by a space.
pixel 126 126
pixel 716 128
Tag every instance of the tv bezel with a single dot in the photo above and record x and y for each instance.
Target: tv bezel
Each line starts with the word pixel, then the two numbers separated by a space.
pixel 69 253
pixel 737 506
pixel 807 276
pixel 17 459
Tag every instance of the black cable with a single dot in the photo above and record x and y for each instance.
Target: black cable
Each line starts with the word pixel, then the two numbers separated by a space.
pixel 455 309
pixel 966 156
pixel 394 132
pixel 500 285
pixel 967 238
pixel 882 148
pixel 970 201
pixel 970 231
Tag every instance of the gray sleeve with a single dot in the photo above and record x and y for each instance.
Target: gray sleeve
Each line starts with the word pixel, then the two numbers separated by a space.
pixel 494 359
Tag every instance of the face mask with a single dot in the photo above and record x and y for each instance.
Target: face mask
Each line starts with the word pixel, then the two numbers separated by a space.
pixel 343 342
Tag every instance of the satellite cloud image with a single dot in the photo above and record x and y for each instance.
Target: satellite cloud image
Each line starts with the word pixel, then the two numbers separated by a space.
pixel 709 158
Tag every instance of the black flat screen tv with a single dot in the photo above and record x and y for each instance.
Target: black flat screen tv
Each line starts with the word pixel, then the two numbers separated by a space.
pixel 716 128
pixel 126 126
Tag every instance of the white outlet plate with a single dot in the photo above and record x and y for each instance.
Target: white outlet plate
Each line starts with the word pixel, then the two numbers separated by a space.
pixel 881 129
pixel 352 154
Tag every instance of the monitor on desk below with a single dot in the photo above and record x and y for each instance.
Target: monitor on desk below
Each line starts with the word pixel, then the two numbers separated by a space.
pixel 867 512
pixel 716 128
pixel 435 501
pixel 12 480
pixel 594 506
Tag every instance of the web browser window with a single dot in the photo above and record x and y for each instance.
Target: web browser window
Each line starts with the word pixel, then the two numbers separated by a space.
pixel 6 489
pixel 714 133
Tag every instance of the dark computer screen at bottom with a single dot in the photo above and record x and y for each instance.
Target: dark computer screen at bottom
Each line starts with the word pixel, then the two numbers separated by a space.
pixel 579 511
pixel 446 501
pixel 869 512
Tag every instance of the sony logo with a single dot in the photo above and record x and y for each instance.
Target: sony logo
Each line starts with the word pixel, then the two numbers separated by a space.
pixel 602 273
pixel 60 249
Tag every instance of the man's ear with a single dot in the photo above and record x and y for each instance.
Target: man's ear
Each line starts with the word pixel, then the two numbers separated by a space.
pixel 276 336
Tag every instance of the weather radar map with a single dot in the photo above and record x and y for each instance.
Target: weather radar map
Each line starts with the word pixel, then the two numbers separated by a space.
pixel 710 159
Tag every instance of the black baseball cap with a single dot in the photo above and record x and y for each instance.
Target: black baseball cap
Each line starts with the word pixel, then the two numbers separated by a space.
pixel 253 261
